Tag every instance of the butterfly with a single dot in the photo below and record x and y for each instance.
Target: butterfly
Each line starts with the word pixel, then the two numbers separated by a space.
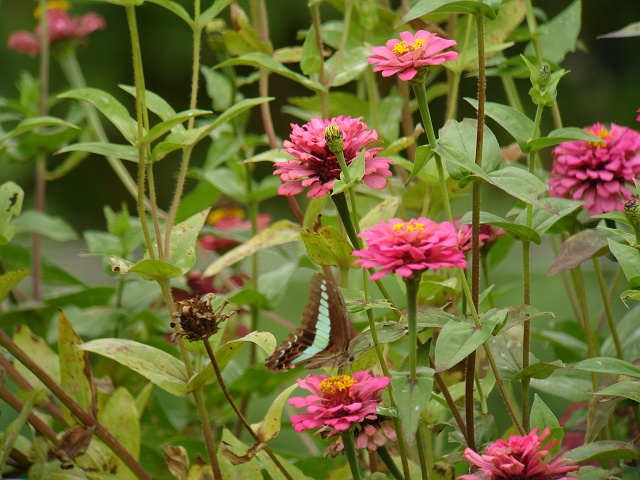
pixel 324 336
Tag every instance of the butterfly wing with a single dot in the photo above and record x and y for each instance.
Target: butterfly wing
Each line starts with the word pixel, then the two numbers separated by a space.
pixel 323 336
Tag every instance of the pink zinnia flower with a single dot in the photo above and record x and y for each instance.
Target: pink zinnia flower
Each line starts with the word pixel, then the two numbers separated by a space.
pixel 408 247
pixel 488 235
pixel 338 402
pixel 62 26
pixel 410 54
pixel 519 458
pixel 597 172
pixel 315 166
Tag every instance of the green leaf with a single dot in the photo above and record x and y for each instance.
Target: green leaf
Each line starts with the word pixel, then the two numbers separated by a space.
pixel 517 124
pixel 226 352
pixel 577 249
pixel 453 154
pixel 213 11
pixel 626 389
pixel 560 135
pixel 280 232
pixel 519 231
pixel 76 377
pixel 539 370
pixel 632 294
pixel 32 123
pixel 520 184
pixel 422 156
pixel 463 136
pixel 163 127
pixel 543 219
pixel 262 60
pixel 543 417
pixel 356 171
pixel 558 36
pixel 311 59
pixel 157 366
pixel 120 417
pixel 16 258
pixel 124 152
pixel 612 366
pixel 269 427
pixel 8 281
pixel 184 237
pixel 11 196
pixel 353 62
pixel 607 449
pixel 149 269
pixel 327 246
pixel 424 7
pixel 175 8
pixel 111 108
pixel 155 102
pixel 383 211
pixel 629 259
pixel 458 339
pixel 631 30
pixel 12 432
pixel 412 398
pixel 54 228
pixel 40 353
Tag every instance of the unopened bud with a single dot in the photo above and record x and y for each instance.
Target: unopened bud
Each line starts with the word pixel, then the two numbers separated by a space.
pixel 632 210
pixel 215 34
pixel 333 136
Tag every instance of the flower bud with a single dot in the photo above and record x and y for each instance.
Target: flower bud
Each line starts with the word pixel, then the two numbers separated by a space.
pixel 215 34
pixel 333 136
pixel 632 210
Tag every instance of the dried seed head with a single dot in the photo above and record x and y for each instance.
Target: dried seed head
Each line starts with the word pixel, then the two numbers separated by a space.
pixel 197 319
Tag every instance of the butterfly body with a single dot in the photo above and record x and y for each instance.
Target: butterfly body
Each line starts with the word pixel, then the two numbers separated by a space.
pixel 324 336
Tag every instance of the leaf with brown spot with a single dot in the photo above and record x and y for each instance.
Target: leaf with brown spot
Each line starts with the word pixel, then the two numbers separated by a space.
pixel 177 461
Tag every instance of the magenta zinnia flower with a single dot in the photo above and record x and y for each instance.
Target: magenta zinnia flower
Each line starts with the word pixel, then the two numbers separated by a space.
pixel 410 54
pixel 597 172
pixel 488 235
pixel 315 166
pixel 519 458
pixel 338 402
pixel 408 247
pixel 370 434
pixel 62 26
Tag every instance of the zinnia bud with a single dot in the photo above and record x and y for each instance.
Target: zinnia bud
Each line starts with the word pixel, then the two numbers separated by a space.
pixel 632 210
pixel 333 136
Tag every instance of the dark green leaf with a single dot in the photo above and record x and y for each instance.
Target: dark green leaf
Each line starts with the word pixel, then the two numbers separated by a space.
pixel 560 135
pixel 520 184
pixel 424 7
pixel 54 228
pixel 612 366
pixel 30 124
pixel 558 36
pixel 607 449
pixel 629 259
pixel 517 124
pixel 411 398
pixel 163 127
pixel 124 152
pixel 538 370
pixel 543 219
pixel 154 269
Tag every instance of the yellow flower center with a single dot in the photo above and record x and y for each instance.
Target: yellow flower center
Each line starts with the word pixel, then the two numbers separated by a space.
pixel 410 227
pixel 336 385
pixel 221 213
pixel 602 133
pixel 53 5
pixel 402 47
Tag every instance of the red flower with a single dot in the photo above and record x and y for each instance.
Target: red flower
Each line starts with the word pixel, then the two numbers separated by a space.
pixel 338 402
pixel 317 167
pixel 62 26
pixel 597 172
pixel 414 52
pixel 519 458
pixel 408 247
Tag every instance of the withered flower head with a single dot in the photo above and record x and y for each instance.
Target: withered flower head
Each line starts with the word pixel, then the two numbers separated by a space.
pixel 197 319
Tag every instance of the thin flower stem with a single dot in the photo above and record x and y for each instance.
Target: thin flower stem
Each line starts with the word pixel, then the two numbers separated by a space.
pixel 139 84
pixel 383 453
pixel 317 25
pixel 450 402
pixel 526 283
pixel 486 280
pixel 186 152
pixel 223 387
pixel 412 283
pixel 612 290
pixel 454 77
pixel 607 307
pixel 582 296
pixel 420 92
pixel 350 450
pixel 83 417
pixel 34 420
pixel 339 55
pixel 402 445
pixel 421 445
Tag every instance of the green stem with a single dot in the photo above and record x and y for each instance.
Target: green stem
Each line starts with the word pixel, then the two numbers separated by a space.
pixel 582 296
pixel 421 445
pixel 339 55
pixel 350 450
pixel 420 92
pixel 607 308
pixel 412 283
pixel 241 417
pixel 383 453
